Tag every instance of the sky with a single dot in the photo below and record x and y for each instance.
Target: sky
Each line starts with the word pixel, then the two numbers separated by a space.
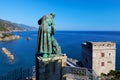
pixel 82 15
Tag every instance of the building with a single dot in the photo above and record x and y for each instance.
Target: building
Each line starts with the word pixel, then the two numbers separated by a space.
pixel 99 56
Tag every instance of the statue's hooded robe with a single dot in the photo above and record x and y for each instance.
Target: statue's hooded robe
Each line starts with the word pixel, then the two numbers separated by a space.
pixel 44 34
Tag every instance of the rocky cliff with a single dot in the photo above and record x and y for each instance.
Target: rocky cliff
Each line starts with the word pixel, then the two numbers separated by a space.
pixel 7 26
pixel 8 37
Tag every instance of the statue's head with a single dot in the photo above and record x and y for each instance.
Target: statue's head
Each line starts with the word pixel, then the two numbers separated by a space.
pixel 53 15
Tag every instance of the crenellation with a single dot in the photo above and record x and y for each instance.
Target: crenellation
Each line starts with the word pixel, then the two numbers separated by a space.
pixel 103 45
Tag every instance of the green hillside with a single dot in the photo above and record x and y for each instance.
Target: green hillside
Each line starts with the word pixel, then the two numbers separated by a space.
pixel 8 26
pixel 2 28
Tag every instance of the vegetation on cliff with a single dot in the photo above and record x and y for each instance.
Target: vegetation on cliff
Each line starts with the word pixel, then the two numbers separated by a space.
pixel 112 75
pixel 8 37
pixel 7 26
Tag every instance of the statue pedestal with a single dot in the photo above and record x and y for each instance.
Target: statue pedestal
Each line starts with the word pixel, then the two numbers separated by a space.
pixel 50 68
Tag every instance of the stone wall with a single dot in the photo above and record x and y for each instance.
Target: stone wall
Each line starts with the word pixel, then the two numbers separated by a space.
pixel 50 68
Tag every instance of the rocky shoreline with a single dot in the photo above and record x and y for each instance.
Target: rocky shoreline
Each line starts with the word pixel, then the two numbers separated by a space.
pixel 8 37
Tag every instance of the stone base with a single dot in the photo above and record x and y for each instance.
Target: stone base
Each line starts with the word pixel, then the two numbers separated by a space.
pixel 50 68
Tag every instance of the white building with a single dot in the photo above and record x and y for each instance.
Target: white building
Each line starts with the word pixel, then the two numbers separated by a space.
pixel 99 56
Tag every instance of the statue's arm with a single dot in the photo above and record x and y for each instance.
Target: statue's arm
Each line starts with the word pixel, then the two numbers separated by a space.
pixel 40 21
pixel 53 28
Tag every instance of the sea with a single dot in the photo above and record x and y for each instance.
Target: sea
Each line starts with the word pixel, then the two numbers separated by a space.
pixel 70 41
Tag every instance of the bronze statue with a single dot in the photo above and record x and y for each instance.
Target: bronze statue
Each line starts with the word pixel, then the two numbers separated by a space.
pixel 47 44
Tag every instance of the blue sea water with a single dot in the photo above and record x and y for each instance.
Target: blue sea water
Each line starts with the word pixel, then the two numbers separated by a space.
pixel 70 42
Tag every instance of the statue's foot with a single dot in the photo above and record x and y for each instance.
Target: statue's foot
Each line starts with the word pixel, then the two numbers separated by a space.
pixel 45 55
pixel 50 55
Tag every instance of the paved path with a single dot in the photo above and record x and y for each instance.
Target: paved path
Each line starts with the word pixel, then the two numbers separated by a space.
pixel 72 62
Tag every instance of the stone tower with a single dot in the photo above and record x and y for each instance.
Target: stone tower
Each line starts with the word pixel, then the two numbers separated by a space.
pixel 99 56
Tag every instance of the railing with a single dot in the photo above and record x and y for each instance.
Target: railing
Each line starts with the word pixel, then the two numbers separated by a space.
pixel 19 74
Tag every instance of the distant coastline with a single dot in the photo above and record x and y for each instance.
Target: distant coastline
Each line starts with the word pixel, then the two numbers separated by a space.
pixel 8 26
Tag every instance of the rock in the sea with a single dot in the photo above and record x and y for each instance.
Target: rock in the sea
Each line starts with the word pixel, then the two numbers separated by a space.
pixel 8 37
pixel 28 38
pixel 8 53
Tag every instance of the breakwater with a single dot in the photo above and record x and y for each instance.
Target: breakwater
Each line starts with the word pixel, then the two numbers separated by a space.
pixel 8 53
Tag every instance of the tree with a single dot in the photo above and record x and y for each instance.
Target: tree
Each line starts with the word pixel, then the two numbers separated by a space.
pixel 112 75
